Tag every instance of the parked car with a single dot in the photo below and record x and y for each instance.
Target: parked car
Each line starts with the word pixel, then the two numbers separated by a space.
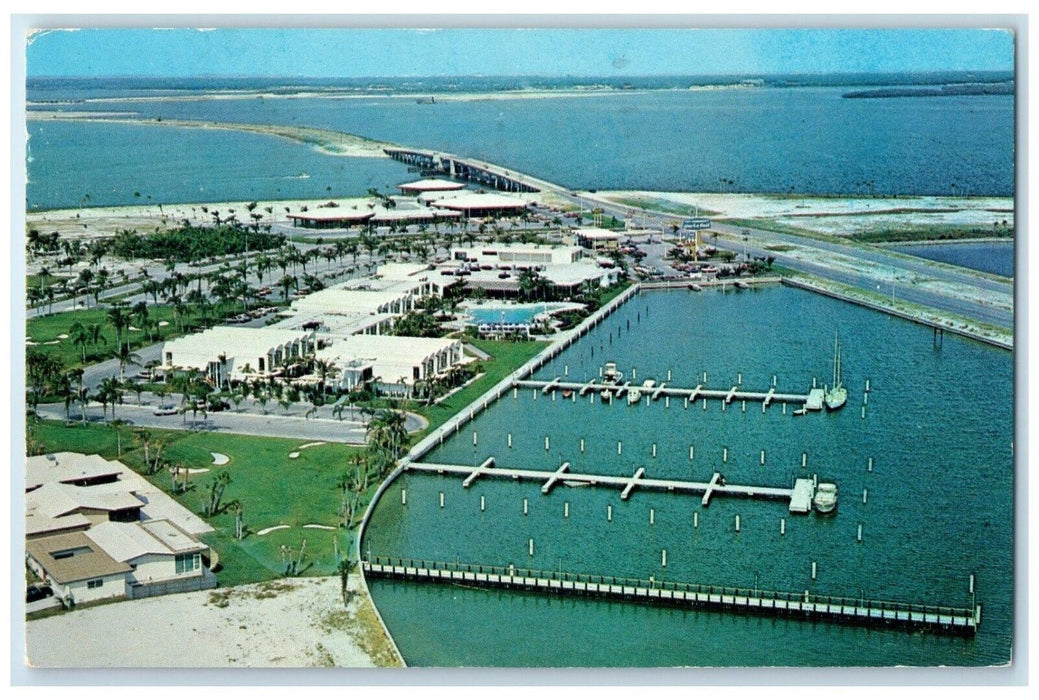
pixel 166 409
pixel 37 592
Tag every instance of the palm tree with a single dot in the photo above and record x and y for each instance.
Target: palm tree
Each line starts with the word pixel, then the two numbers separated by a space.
pixel 125 357
pixel 109 392
pixel 118 319
pixel 79 335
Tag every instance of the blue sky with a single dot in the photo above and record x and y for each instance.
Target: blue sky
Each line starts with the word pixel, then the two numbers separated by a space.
pixel 550 52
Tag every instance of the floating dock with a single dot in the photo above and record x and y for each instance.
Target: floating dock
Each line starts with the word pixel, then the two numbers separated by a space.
pixel 799 497
pixel 806 606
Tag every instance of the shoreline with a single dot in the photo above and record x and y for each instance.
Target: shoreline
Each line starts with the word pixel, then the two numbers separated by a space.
pixel 327 141
pixel 284 623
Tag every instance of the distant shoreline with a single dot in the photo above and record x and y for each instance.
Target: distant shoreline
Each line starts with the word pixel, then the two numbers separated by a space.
pixel 334 143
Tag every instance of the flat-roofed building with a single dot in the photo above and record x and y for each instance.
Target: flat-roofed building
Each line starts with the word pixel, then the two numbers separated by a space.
pixel 356 300
pixel 395 363
pixel 76 568
pixel 430 185
pixel 332 218
pixel 97 504
pixel 598 239
pixel 236 353
pixel 518 254
pixel 481 204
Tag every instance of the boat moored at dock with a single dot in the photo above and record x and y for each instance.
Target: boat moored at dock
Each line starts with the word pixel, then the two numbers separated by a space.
pixel 826 497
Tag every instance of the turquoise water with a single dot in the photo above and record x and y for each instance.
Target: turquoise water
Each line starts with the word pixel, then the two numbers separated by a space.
pixel 76 164
pixel 939 504
pixel 764 140
pixel 507 314
pixel 989 256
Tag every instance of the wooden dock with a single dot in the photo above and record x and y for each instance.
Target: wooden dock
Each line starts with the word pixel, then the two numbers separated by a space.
pixel 799 497
pixel 805 606
pixel 813 398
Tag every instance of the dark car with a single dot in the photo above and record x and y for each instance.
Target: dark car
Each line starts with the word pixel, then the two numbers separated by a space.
pixel 34 593
pixel 218 405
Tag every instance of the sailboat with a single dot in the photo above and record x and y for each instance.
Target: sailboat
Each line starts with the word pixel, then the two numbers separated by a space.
pixel 837 395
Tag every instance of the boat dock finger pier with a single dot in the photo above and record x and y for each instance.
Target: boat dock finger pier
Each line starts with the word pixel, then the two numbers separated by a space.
pixel 813 400
pixel 799 497
pixel 806 605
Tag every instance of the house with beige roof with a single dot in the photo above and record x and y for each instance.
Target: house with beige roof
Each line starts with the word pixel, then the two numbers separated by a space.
pixel 76 568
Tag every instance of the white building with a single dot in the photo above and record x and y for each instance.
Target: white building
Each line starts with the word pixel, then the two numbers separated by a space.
pixel 159 554
pixel 236 353
pixel 76 568
pixel 396 363
pixel 358 300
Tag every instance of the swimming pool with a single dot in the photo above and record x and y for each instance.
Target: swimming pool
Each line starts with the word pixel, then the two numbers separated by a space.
pixel 509 314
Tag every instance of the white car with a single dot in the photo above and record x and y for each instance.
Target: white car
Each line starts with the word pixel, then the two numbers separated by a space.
pixel 166 409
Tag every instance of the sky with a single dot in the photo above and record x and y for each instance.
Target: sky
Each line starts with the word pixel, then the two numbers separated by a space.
pixel 350 53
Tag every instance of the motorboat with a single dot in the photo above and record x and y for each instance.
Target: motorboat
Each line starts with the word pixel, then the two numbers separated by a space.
pixel 826 497
pixel 634 396
pixel 610 374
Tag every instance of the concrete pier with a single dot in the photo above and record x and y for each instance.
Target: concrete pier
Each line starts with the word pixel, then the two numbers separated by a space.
pixel 834 609
pixel 799 497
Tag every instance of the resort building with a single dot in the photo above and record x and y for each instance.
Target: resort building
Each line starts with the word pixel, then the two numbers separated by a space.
pixel 332 218
pixel 234 353
pixel 364 297
pixel 394 363
pixel 430 185
pixel 476 204
pixel 598 239
pixel 498 269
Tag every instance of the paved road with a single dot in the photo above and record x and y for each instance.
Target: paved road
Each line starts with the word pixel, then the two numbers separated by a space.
pixel 245 423
pixel 903 267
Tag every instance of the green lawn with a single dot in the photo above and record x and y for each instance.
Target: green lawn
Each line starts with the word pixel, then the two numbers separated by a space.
pixel 506 356
pixel 46 329
pixel 273 489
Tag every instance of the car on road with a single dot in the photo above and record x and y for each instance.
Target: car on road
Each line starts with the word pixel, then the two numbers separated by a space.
pixel 37 592
pixel 166 409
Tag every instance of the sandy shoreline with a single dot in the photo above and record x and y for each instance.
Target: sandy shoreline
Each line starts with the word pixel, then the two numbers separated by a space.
pixel 334 143
pixel 289 623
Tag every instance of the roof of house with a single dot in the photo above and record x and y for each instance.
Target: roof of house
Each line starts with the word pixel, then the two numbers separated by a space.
pixel 87 561
pixel 39 524
pixel 128 541
pixel 56 500
pixel 66 467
